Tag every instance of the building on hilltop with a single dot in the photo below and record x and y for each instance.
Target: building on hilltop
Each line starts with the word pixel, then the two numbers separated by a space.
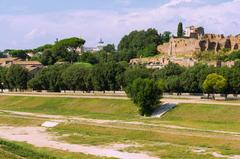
pixel 194 32
pixel 97 48
pixel 195 40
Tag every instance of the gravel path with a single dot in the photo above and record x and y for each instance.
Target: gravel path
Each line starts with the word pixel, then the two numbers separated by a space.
pixel 38 137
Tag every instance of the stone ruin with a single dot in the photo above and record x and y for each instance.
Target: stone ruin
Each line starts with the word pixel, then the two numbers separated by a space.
pixel 195 40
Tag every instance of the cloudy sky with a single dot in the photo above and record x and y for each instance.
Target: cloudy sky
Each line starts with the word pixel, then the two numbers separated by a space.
pixel 30 23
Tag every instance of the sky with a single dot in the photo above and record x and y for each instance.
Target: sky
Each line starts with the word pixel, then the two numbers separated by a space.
pixel 26 24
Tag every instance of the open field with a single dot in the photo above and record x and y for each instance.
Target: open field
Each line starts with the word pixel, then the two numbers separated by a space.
pixel 16 150
pixel 192 131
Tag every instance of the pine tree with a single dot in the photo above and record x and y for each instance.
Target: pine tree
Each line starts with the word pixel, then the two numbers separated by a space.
pixel 180 30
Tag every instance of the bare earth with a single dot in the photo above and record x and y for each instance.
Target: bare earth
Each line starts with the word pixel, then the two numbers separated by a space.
pixel 38 137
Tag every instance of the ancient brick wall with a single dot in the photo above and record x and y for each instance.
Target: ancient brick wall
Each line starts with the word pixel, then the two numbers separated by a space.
pixel 186 47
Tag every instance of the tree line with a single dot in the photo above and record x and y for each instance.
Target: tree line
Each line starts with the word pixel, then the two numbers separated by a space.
pixel 116 76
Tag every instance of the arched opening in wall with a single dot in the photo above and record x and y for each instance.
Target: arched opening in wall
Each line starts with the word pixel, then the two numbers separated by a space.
pixel 217 47
pixel 202 45
pixel 236 47
pixel 212 46
pixel 228 44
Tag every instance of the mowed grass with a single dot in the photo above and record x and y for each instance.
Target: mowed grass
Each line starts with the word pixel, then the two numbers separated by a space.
pixel 200 116
pixel 204 116
pixel 9 120
pixel 179 143
pixel 17 150
pixel 90 108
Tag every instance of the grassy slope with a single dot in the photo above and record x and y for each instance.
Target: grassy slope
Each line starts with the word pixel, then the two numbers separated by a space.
pixel 204 116
pixel 92 108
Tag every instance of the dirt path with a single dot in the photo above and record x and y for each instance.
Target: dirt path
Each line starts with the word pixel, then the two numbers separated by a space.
pixel 38 137
pixel 106 122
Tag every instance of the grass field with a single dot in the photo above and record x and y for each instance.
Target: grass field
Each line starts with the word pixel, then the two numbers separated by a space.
pixel 15 150
pixel 90 108
pixel 205 116
pixel 179 142
pixel 202 116
pixel 167 143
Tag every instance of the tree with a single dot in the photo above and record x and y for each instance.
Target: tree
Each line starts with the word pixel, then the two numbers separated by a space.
pixel 106 76
pixel 17 77
pixel 234 80
pixel 214 83
pixel 193 78
pixel 49 78
pixel 67 49
pixel 89 58
pixel 146 94
pixel 47 57
pixel 3 79
pixel 140 43
pixel 165 37
pixel 110 48
pixel 180 30
pixel 74 77
pixel 22 54
pixel 133 73
pixel 173 85
pixel 43 48
pixel 171 69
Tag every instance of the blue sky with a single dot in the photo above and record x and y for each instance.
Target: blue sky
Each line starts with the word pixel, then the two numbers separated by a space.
pixel 30 23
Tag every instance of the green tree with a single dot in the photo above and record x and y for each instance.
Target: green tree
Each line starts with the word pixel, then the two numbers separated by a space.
pixel 133 73
pixel 43 48
pixel 110 48
pixel 22 54
pixel 74 77
pixel 3 79
pixel 180 30
pixel 106 76
pixel 171 69
pixel 67 49
pixel 193 78
pixel 146 94
pixel 165 37
pixel 140 43
pixel 47 57
pixel 214 83
pixel 17 77
pixel 173 85
pixel 49 78
pixel 88 57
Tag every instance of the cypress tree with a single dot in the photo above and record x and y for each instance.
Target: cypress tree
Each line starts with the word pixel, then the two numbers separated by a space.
pixel 180 30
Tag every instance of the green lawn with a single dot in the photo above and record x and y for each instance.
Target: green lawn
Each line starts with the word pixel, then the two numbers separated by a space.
pixel 10 120
pixel 90 108
pixel 152 140
pixel 204 116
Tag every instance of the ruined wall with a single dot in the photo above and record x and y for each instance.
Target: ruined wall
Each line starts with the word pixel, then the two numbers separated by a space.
pixel 186 47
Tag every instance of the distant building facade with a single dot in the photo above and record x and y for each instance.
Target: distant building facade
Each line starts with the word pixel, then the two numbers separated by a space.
pixel 97 48
pixel 31 66
pixel 195 40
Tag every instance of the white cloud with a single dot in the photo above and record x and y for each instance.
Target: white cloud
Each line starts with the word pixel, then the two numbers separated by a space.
pixel 26 31
pixel 176 2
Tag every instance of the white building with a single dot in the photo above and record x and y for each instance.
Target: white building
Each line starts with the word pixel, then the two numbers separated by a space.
pixel 97 48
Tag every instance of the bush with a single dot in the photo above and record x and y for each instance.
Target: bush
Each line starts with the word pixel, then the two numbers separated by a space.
pixel 146 94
